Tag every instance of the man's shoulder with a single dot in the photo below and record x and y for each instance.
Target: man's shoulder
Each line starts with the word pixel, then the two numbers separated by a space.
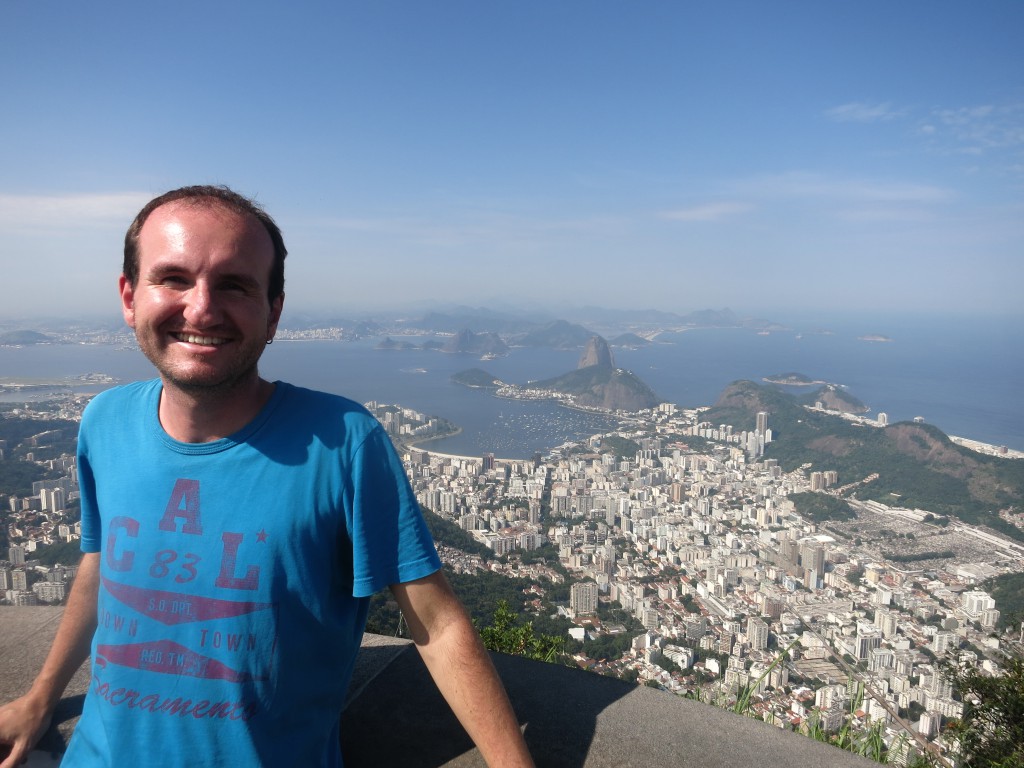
pixel 332 420
pixel 325 407
pixel 123 396
pixel 314 398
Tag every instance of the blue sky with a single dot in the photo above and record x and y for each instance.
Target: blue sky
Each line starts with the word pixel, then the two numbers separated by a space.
pixel 768 157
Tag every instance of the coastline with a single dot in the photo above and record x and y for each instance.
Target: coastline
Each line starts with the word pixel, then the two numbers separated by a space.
pixel 976 399
pixel 1000 451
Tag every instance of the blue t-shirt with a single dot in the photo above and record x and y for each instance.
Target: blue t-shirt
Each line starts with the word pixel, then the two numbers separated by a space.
pixel 235 577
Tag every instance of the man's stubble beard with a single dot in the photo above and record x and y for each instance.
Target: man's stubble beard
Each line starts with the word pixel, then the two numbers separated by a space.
pixel 196 386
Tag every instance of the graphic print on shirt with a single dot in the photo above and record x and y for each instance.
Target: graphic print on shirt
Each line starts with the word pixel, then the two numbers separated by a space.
pixel 184 601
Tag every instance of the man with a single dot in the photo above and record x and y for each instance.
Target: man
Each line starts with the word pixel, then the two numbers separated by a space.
pixel 233 530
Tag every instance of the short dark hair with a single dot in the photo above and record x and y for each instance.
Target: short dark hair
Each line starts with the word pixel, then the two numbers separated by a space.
pixel 211 195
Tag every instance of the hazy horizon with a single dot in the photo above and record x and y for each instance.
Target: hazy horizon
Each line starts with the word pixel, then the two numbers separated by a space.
pixel 1009 325
pixel 814 158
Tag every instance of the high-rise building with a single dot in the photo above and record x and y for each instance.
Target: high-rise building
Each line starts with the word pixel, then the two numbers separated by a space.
pixel 19 580
pixel 868 639
pixel 583 598
pixel 943 641
pixel 50 591
pixel 885 620
pixel 762 422
pixel 16 555
pixel 773 608
pixel 881 658
pixel 757 633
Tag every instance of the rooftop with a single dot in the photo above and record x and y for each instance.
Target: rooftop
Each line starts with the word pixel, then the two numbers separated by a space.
pixel 395 715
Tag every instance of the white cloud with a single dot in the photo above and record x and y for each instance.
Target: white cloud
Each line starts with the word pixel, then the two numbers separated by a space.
pixel 862 112
pixel 983 127
pixel 707 212
pixel 61 212
pixel 813 186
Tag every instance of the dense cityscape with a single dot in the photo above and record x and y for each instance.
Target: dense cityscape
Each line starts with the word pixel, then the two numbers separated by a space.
pixel 693 542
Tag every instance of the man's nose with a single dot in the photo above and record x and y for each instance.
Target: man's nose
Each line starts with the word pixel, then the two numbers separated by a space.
pixel 201 306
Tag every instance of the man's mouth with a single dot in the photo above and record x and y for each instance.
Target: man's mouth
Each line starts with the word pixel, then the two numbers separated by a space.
pixel 193 338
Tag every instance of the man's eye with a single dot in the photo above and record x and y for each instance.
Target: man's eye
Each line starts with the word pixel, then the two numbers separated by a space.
pixel 174 280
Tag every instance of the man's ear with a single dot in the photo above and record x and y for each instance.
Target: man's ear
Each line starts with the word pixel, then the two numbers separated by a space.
pixel 127 301
pixel 276 306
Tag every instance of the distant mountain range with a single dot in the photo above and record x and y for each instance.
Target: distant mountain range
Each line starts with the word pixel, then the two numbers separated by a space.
pixel 575 328
pixel 571 330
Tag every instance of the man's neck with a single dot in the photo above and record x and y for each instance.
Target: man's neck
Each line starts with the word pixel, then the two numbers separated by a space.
pixel 205 416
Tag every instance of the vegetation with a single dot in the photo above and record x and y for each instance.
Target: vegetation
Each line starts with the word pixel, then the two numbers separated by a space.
pixel 915 464
pixel 16 477
pixel 835 399
pixel 603 386
pixel 24 337
pixel 1008 592
pixel 61 553
pixel 16 474
pixel 505 634
pixel 790 378
pixel 447 533
pixel 821 507
pixel 914 557
pixel 865 742
pixel 991 732
pixel 622 447
pixel 628 340
pixel 546 553
pixel 605 647
pixel 479 593
pixel 476 377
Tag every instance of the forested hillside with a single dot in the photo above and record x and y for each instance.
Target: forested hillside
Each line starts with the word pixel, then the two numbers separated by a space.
pixel 917 466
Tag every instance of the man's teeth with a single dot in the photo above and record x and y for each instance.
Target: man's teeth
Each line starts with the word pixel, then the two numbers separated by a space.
pixel 191 338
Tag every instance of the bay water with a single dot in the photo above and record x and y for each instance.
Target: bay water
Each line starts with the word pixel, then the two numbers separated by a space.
pixel 962 375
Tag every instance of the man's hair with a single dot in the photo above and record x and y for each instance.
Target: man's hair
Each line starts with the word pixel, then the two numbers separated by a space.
pixel 212 196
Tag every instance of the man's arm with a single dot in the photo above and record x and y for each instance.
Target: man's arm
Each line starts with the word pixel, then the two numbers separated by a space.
pixel 461 668
pixel 25 720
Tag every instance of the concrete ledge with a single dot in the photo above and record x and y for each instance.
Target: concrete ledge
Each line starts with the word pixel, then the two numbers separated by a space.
pixel 25 638
pixel 570 718
pixel 396 716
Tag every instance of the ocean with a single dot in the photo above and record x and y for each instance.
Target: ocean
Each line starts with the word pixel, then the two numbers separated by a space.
pixel 962 375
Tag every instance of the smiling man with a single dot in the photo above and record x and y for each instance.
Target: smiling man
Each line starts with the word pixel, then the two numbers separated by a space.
pixel 233 530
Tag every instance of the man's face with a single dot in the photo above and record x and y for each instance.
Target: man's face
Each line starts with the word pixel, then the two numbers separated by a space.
pixel 200 309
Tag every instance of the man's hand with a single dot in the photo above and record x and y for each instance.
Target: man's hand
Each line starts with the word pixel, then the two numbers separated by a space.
pixel 22 723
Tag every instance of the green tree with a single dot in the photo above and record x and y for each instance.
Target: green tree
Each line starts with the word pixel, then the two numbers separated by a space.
pixel 506 635
pixel 991 732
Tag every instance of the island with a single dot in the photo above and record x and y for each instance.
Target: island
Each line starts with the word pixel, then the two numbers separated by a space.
pixel 476 378
pixel 792 380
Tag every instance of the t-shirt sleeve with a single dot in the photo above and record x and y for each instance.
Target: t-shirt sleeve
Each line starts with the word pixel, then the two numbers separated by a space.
pixel 91 526
pixel 390 540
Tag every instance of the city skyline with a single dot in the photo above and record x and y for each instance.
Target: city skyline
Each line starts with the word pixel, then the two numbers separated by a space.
pixel 765 158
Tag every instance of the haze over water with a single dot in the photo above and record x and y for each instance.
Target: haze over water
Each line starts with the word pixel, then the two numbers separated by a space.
pixel 961 376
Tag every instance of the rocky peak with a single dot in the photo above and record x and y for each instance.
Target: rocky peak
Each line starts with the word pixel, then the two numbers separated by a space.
pixel 596 353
